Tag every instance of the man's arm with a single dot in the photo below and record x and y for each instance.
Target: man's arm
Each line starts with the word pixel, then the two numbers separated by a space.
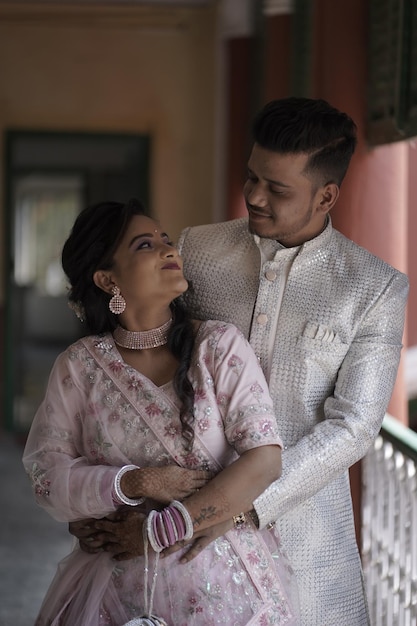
pixel 353 413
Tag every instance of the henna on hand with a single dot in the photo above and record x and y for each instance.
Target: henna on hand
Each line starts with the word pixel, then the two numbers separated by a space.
pixel 163 484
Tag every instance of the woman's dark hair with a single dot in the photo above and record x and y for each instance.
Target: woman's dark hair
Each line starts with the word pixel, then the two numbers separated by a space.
pixel 91 245
pixel 304 125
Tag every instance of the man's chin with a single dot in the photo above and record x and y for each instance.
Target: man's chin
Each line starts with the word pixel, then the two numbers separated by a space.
pixel 255 228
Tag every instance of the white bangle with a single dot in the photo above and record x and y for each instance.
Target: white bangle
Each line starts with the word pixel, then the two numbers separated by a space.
pixel 117 490
pixel 189 528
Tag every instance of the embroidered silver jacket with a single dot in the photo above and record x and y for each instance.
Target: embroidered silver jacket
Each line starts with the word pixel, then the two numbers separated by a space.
pixel 335 360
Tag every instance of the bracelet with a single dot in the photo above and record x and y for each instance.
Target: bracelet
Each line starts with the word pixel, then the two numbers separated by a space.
pixel 239 521
pixel 117 493
pixel 165 528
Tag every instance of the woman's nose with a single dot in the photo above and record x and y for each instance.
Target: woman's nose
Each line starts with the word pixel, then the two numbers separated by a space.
pixel 168 250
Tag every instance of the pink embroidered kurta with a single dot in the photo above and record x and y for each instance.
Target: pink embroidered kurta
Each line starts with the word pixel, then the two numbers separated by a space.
pixel 100 414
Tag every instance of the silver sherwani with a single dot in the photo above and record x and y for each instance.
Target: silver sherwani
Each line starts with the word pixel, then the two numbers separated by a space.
pixel 335 360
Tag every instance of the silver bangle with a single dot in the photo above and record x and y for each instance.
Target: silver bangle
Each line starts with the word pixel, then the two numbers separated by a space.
pixel 118 490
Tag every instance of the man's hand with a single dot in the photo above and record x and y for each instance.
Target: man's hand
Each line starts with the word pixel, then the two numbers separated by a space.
pixel 84 531
pixel 200 540
pixel 120 534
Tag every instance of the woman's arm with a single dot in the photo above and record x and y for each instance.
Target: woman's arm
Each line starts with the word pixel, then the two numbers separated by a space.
pixel 64 481
pixel 234 489
pixel 211 508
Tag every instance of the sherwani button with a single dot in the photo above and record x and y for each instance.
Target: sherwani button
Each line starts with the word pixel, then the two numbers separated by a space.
pixel 262 319
pixel 270 275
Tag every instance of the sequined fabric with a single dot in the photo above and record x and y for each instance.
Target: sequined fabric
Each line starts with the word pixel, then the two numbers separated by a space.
pixel 337 348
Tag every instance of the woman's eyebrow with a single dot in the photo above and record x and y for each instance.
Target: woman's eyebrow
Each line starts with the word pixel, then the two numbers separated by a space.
pixel 136 237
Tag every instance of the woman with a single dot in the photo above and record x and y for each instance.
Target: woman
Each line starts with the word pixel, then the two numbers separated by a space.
pixel 143 413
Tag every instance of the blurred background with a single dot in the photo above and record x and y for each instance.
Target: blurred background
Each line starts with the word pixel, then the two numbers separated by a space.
pixel 109 99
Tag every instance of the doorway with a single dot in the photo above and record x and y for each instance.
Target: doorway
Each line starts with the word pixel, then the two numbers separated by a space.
pixel 50 177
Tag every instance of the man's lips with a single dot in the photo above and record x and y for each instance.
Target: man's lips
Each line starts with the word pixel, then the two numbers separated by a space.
pixel 171 266
pixel 256 213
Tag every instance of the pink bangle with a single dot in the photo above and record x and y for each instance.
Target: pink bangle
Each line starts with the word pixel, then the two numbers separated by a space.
pixel 164 528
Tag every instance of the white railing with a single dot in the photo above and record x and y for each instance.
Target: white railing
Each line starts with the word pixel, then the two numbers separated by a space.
pixel 389 526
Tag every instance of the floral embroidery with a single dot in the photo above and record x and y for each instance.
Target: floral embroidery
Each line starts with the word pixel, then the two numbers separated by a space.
pixel 134 384
pixel 67 382
pixel 266 428
pixel 253 558
pixel 266 582
pixel 99 448
pixel 191 460
pixel 114 417
pixel 235 363
pixel 203 424
pixel 257 391
pixel 153 409
pixel 116 366
pixel 195 607
pixel 223 400
pixel 172 430
pixel 41 485
pixel 93 408
pixel 199 394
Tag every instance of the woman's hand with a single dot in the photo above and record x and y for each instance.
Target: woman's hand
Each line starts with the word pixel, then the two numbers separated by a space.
pixel 163 484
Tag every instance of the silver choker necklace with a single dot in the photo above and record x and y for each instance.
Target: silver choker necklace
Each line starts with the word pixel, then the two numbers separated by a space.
pixel 144 339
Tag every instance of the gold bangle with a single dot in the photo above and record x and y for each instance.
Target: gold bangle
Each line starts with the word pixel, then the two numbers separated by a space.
pixel 239 521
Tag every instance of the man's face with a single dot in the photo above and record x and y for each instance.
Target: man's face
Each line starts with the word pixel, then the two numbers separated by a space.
pixel 282 201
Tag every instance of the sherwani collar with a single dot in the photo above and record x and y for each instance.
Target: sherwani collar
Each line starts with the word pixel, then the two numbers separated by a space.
pixel 270 248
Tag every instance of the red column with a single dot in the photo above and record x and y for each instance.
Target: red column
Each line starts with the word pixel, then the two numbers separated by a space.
pixel 238 123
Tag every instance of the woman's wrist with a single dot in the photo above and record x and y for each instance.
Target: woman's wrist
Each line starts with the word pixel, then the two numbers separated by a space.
pixel 169 526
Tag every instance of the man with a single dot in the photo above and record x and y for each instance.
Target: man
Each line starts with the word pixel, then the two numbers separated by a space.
pixel 325 318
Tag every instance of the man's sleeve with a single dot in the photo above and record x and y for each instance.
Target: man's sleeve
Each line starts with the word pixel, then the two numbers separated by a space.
pixel 353 413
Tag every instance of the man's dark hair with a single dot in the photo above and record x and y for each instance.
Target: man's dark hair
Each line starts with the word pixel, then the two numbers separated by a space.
pixel 303 125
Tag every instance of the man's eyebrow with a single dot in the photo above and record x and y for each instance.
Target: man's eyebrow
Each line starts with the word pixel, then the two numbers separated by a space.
pixel 270 180
pixel 277 182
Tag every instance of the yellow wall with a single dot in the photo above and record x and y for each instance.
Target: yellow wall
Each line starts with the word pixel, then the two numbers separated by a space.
pixel 104 69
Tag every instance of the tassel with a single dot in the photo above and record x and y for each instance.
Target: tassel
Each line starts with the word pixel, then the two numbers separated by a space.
pixel 152 620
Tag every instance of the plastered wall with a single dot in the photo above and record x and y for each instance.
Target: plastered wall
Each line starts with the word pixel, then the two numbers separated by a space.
pixel 101 69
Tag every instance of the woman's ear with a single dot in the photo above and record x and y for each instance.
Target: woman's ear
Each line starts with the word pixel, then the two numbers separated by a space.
pixel 103 281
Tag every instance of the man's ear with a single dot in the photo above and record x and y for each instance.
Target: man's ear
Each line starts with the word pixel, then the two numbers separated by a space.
pixel 103 281
pixel 328 196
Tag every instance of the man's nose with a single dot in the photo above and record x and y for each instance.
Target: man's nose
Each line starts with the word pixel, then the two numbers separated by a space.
pixel 256 195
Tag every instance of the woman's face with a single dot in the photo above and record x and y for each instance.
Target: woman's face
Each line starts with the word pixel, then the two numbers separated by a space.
pixel 147 267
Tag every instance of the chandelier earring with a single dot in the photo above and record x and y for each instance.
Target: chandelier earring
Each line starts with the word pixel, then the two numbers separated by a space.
pixel 117 303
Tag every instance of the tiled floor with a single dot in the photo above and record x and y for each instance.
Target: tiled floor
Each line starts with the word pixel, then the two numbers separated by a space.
pixel 31 542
